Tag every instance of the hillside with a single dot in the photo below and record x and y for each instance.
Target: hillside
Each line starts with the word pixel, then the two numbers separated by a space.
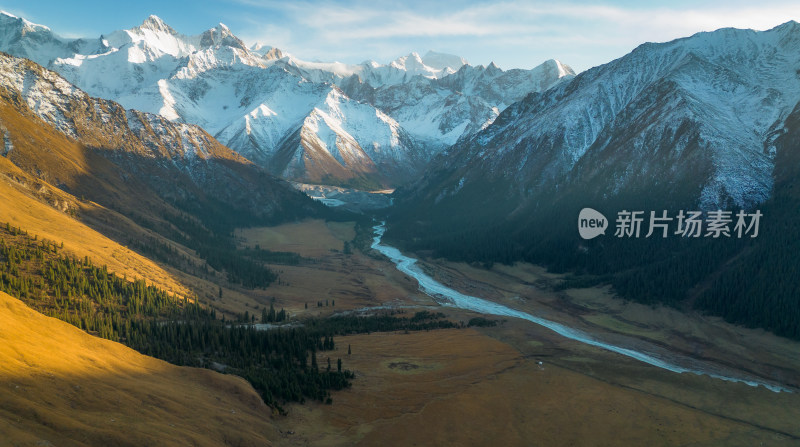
pixel 169 191
pixel 37 206
pixel 65 387
pixel 700 123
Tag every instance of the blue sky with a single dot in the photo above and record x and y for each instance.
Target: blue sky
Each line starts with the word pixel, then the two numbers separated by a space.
pixel 513 34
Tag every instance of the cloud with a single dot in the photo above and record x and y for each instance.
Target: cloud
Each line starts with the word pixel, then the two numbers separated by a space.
pixel 605 31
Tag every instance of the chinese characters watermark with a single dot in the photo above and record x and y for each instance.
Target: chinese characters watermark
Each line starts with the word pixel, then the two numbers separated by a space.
pixel 688 224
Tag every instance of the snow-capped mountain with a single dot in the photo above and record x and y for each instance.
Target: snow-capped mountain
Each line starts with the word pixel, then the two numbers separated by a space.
pixel 709 122
pixel 38 43
pixel 440 111
pixel 710 104
pixel 403 69
pixel 689 123
pixel 369 123
pixel 144 155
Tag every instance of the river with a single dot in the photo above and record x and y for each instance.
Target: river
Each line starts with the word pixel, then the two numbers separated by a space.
pixel 446 296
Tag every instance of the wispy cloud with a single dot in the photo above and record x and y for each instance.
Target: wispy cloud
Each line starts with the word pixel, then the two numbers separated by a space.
pixel 512 33
pixel 518 33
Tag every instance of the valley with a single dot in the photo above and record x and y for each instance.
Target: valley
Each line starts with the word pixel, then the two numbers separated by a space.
pixel 424 380
pixel 472 379
pixel 254 249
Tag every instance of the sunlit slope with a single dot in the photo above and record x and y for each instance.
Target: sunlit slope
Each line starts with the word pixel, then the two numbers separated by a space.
pixel 61 385
pixel 29 204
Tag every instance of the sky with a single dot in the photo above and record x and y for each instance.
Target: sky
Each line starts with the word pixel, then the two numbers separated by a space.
pixel 512 34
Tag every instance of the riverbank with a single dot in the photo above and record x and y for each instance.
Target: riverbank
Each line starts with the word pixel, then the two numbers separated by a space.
pixel 650 354
pixel 486 385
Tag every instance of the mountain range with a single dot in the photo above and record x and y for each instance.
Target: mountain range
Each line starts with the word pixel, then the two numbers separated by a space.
pixel 367 125
pixel 706 123
pixel 713 103
pixel 118 152
pixel 160 165
pixel 493 165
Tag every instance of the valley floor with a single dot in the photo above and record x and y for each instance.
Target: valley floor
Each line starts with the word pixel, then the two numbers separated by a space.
pixel 512 384
pixel 479 386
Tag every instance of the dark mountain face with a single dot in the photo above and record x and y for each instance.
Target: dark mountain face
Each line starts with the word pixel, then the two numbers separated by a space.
pixel 683 123
pixel 701 123
pixel 140 164
pixel 761 286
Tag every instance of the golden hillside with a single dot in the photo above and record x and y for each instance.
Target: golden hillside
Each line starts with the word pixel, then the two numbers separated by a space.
pixel 33 205
pixel 62 386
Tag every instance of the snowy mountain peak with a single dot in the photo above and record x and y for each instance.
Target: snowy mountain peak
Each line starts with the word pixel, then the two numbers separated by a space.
pixel 557 66
pixel 260 48
pixel 6 18
pixel 376 122
pixel 221 35
pixel 707 106
pixel 432 66
pixel 408 63
pixel 30 40
pixel 790 28
pixel 155 24
pixel 441 61
pixel 266 51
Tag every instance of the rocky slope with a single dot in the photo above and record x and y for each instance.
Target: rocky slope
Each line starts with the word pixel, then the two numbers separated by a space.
pixel 138 163
pixel 364 125
pixel 702 123
pixel 693 120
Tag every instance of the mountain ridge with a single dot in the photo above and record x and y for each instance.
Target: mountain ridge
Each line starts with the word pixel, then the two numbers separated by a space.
pixel 700 123
pixel 166 184
pixel 255 100
pixel 570 119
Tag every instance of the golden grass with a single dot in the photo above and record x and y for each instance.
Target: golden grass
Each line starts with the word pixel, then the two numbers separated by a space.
pixel 63 386
pixel 312 238
pixel 351 281
pixel 22 210
pixel 462 388
pixel 597 311
pixel 344 231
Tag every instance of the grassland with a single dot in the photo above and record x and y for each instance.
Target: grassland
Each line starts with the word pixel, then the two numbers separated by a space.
pixel 61 386
pixel 312 238
pixel 22 209
pixel 466 388
pixel 451 387
pixel 596 310
pixel 344 281
pixel 487 387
